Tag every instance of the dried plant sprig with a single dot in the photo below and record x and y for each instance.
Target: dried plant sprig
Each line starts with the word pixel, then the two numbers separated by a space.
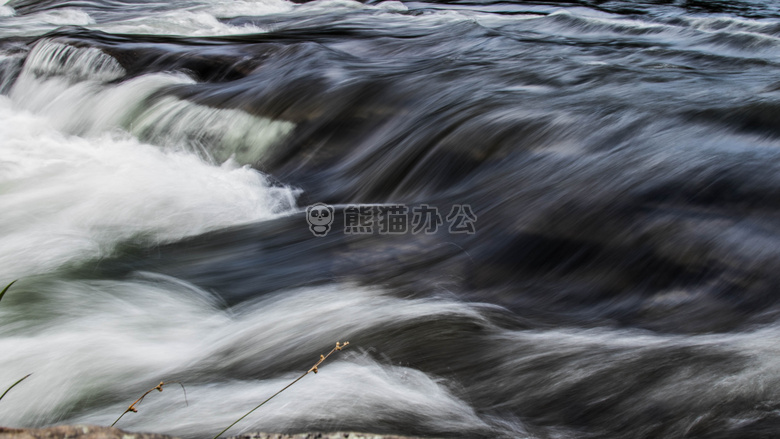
pixel 314 369
pixel 14 384
pixel 158 388
pixel 2 293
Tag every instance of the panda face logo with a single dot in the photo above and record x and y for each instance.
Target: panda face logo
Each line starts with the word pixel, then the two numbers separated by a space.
pixel 320 217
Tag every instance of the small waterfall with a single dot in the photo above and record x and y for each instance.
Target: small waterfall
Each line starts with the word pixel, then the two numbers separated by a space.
pixel 52 58
pixel 10 67
pixel 73 87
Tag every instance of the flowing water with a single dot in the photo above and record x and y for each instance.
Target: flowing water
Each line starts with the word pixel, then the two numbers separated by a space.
pixel 622 159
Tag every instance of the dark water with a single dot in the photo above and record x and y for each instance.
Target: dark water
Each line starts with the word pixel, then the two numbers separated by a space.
pixel 621 158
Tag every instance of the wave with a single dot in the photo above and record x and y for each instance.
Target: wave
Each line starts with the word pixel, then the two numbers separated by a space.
pixel 67 198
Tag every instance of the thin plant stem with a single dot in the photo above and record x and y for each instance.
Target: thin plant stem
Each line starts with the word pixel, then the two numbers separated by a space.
pixel 314 369
pixel 159 388
pixel 14 385
pixel 2 293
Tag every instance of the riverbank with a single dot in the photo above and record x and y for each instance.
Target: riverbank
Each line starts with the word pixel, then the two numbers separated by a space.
pixel 96 432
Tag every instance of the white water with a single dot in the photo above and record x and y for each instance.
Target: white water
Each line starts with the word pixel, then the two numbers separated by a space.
pixel 50 58
pixel 125 337
pixel 71 88
pixel 87 163
pixel 70 198
pixel 196 19
pixel 65 198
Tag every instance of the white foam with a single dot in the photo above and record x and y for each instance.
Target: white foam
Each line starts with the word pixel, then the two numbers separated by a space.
pixel 65 198
pixel 392 5
pixel 68 86
pixel 89 108
pixel 110 338
pixel 229 133
pixel 333 4
pixel 51 58
pixel 249 7
pixel 63 17
pixel 104 339
pixel 39 23
pixel 181 22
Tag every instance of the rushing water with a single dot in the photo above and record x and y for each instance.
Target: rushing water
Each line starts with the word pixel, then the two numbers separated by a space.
pixel 622 159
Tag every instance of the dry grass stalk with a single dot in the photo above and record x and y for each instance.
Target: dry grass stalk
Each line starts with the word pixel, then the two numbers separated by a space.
pixel 14 385
pixel 2 293
pixel 159 388
pixel 314 369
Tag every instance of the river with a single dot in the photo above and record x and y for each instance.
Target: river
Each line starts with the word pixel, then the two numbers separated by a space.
pixel 534 219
